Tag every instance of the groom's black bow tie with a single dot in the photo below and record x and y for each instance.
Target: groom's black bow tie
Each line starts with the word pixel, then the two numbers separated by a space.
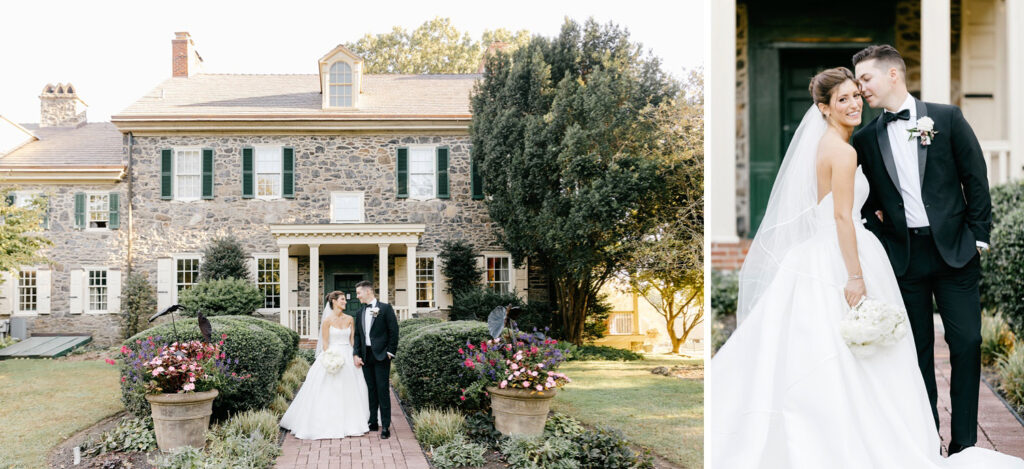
pixel 888 117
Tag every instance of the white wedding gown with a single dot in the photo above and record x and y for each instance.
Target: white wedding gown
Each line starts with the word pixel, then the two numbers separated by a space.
pixel 786 392
pixel 330 405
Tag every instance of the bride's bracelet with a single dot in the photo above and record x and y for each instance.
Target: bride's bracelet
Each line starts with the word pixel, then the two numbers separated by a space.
pixel 856 277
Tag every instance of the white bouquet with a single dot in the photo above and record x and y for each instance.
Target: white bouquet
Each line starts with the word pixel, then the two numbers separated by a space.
pixel 872 324
pixel 333 360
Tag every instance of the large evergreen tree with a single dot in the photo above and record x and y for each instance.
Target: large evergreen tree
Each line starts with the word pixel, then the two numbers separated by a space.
pixel 21 236
pixel 573 137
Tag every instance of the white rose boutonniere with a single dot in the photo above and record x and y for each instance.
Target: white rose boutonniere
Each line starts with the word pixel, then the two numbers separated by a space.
pixel 925 130
pixel 374 311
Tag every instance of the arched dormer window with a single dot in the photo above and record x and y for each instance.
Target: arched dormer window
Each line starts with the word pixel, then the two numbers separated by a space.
pixel 340 85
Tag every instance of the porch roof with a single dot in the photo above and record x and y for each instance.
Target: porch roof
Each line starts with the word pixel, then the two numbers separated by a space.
pixel 351 234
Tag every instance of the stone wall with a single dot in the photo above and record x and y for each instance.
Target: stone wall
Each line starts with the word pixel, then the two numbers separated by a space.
pixel 742 122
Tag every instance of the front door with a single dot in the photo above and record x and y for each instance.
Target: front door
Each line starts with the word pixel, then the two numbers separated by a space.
pixel 342 273
pixel 346 283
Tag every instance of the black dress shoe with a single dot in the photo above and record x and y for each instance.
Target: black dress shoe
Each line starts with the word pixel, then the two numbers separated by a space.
pixel 956 448
pixel 386 433
pixel 374 427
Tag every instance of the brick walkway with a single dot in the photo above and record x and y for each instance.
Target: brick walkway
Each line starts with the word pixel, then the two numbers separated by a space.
pixel 401 451
pixel 997 428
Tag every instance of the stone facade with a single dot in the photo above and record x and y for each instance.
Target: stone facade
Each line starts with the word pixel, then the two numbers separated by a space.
pixel 742 122
pixel 59 106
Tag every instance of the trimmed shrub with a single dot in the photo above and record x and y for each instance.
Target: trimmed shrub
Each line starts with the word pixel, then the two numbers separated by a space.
pixel 458 453
pixel 435 427
pixel 604 352
pixel 259 352
pixel 724 293
pixel 139 301
pixel 222 297
pixel 476 303
pixel 996 339
pixel 532 452
pixel 288 337
pixel 1003 270
pixel 606 448
pixel 429 365
pixel 1006 198
pixel 408 326
pixel 225 258
pixel 309 355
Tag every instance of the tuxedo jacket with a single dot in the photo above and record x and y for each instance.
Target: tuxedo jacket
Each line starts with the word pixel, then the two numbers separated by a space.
pixel 954 187
pixel 383 333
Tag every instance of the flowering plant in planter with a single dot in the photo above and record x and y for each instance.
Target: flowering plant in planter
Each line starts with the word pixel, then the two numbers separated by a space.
pixel 178 367
pixel 516 360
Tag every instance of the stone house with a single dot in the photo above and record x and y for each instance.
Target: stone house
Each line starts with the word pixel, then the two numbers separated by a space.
pixel 328 179
pixel 969 53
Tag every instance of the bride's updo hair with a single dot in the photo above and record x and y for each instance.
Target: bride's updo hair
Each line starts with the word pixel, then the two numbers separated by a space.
pixel 333 296
pixel 824 83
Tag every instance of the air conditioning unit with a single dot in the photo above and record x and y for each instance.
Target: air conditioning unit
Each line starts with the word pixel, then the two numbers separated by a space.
pixel 5 326
pixel 19 328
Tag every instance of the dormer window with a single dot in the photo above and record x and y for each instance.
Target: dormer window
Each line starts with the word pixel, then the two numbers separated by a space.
pixel 341 85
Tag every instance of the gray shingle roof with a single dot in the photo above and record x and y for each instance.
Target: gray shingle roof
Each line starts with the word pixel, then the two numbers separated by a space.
pixel 254 96
pixel 94 144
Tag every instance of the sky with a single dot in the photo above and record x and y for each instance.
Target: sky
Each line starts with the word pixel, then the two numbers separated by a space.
pixel 116 51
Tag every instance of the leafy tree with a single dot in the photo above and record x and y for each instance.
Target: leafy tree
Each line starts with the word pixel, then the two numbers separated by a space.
pixel 225 258
pixel 221 297
pixel 458 265
pixel 20 227
pixel 573 138
pixel 139 302
pixel 435 47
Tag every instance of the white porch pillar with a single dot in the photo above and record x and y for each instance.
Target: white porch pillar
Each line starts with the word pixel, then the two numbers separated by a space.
pixel 284 281
pixel 314 288
pixel 1015 85
pixel 720 118
pixel 383 272
pixel 410 271
pixel 935 54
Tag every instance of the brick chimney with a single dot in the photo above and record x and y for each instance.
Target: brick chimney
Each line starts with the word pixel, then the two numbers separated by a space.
pixel 60 106
pixel 185 61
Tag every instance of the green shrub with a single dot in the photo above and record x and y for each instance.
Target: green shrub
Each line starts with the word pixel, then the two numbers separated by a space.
pixel 299 366
pixel 996 339
pixel 724 292
pixel 225 258
pixel 291 380
pixel 562 426
pixel 184 457
pixel 480 429
pixel 458 453
pixel 130 434
pixel 252 421
pixel 1002 270
pixel 477 303
pixel 222 297
pixel 288 337
pixel 279 405
pixel 285 391
pixel 429 365
pixel 538 315
pixel 458 265
pixel 7 341
pixel 534 452
pixel 236 449
pixel 407 326
pixel 137 304
pixel 309 355
pixel 604 352
pixel 436 427
pixel 1011 377
pixel 259 353
pixel 606 448
pixel 1006 198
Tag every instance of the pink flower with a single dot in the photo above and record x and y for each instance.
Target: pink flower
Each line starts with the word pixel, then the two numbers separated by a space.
pixel 124 350
pixel 462 352
pixel 526 384
pixel 540 388
pixel 502 385
pixel 188 386
pixel 110 362
pixel 158 370
pixel 462 398
pixel 469 363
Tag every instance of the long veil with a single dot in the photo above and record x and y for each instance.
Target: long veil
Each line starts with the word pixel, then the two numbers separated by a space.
pixel 323 320
pixel 789 219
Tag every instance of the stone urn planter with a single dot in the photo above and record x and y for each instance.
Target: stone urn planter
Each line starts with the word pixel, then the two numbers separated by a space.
pixel 520 411
pixel 181 419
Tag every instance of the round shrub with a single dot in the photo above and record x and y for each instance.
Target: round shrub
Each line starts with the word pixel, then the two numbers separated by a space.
pixel 288 337
pixel 222 297
pixel 250 344
pixel 429 365
pixel 1003 270
pixel 724 293
pixel 309 355
pixel 408 326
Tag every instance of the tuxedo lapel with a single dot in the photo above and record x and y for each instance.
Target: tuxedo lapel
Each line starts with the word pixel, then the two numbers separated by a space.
pixel 882 135
pixel 922 150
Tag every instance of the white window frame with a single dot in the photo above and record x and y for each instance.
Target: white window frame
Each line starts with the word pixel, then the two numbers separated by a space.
pixel 612 330
pixel 362 206
pixel 174 281
pixel 256 280
pixel 510 271
pixel 17 309
pixel 433 171
pixel 433 281
pixel 351 84
pixel 88 211
pixel 279 150
pixel 87 295
pixel 24 198
pixel 175 190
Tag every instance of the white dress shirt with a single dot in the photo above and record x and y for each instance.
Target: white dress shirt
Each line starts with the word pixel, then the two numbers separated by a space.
pixel 904 155
pixel 368 320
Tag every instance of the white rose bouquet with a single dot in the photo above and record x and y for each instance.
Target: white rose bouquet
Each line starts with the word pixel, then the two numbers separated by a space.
pixel 872 324
pixel 333 360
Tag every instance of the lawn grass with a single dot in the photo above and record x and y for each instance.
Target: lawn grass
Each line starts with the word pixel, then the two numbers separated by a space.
pixel 661 413
pixel 46 401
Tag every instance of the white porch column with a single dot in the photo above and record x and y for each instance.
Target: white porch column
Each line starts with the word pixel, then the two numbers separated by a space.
pixel 720 118
pixel 383 272
pixel 284 280
pixel 410 271
pixel 935 54
pixel 314 288
pixel 1015 85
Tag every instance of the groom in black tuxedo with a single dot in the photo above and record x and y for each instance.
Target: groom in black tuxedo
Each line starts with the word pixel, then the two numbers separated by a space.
pixel 930 207
pixel 376 344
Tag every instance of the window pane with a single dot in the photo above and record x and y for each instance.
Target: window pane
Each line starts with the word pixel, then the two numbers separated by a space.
pixel 268 184
pixel 97 290
pixel 268 159
pixel 341 72
pixel 187 173
pixel 425 282
pixel 98 210
pixel 498 274
pixel 341 95
pixel 268 281
pixel 187 273
pixel 27 292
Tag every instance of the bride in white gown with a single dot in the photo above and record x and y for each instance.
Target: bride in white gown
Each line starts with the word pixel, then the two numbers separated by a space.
pixel 331 405
pixel 786 391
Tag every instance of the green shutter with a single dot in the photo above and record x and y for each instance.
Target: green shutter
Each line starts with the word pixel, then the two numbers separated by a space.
pixel 288 173
pixel 247 165
pixel 207 173
pixel 403 173
pixel 475 181
pixel 11 198
pixel 115 216
pixel 80 210
pixel 442 173
pixel 166 164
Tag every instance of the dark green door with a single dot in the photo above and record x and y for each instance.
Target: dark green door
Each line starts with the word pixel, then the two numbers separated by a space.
pixel 346 283
pixel 342 273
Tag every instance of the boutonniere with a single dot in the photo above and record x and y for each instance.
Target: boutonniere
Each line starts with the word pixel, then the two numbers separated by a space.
pixel 374 311
pixel 924 130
